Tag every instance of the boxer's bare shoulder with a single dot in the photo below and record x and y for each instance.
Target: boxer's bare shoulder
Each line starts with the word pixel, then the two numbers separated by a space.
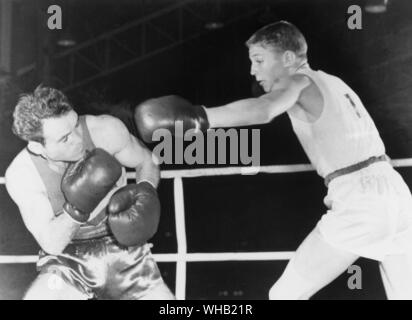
pixel 111 134
pixel 107 132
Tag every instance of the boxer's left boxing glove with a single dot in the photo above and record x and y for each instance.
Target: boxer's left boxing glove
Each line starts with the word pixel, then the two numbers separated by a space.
pixel 87 181
pixel 163 112
pixel 134 213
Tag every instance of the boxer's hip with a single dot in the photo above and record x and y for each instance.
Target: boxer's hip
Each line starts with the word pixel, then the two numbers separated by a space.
pixel 102 268
pixel 370 212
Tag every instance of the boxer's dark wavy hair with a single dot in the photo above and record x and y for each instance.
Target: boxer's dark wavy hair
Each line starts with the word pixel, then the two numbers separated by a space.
pixel 34 107
pixel 282 36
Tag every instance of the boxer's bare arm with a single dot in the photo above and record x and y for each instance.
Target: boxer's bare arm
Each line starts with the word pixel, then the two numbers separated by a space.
pixel 51 233
pixel 258 110
pixel 112 135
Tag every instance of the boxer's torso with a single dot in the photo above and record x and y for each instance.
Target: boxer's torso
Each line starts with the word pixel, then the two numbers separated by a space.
pixel 343 134
pixel 44 179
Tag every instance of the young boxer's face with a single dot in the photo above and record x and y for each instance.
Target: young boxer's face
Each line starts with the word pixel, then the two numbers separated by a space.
pixel 63 138
pixel 267 66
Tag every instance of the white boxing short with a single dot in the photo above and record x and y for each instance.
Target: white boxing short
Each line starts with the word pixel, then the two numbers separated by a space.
pixel 370 213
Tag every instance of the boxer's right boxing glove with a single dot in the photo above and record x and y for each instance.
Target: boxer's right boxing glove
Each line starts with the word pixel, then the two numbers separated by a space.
pixel 163 112
pixel 87 181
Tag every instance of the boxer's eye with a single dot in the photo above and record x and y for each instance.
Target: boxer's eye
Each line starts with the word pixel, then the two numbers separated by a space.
pixel 64 138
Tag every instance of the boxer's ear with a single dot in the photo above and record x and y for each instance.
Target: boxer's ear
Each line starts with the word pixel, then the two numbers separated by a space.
pixel 289 58
pixel 35 147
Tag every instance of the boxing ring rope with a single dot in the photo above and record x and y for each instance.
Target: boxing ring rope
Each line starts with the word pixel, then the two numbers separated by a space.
pixel 182 257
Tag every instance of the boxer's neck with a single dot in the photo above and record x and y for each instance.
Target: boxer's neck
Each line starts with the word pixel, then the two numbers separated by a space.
pixel 57 166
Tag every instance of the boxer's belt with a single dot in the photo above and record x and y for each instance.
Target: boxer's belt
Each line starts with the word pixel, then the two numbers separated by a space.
pixel 99 238
pixel 94 228
pixel 355 167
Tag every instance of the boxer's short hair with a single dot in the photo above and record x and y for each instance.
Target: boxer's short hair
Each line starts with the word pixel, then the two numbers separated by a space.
pixel 281 36
pixel 34 107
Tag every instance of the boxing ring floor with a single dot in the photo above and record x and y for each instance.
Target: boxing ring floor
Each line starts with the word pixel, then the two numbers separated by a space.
pixel 181 258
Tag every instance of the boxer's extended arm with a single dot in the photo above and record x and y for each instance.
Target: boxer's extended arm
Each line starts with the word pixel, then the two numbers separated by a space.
pixel 52 233
pixel 258 110
pixel 127 149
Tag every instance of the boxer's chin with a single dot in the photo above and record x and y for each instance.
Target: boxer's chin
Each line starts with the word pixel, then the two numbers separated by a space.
pixel 270 87
pixel 81 151
pixel 77 156
pixel 266 87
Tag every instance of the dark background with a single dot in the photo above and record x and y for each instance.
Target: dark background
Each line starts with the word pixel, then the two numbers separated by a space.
pixel 236 213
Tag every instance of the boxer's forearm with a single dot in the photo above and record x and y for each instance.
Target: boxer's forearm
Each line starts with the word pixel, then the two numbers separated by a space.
pixel 58 233
pixel 148 171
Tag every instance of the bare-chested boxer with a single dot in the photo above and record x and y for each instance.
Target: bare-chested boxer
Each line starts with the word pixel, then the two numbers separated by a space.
pixel 69 184
pixel 369 205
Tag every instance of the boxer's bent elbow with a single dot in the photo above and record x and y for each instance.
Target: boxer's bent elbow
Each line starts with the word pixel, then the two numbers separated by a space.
pixel 51 244
pixel 52 248
pixel 267 117
pixel 262 116
pixel 263 112
pixel 53 236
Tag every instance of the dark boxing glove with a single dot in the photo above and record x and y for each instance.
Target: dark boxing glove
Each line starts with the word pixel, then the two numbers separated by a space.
pixel 163 112
pixel 134 213
pixel 87 181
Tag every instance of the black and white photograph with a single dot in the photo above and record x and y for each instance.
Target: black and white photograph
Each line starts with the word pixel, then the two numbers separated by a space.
pixel 229 151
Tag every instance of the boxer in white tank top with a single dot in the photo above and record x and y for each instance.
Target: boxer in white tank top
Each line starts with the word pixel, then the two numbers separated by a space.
pixel 343 134
pixel 369 205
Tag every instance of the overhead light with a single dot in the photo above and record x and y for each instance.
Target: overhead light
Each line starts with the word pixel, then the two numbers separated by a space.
pixel 66 38
pixel 376 6
pixel 66 42
pixel 214 25
pixel 215 20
